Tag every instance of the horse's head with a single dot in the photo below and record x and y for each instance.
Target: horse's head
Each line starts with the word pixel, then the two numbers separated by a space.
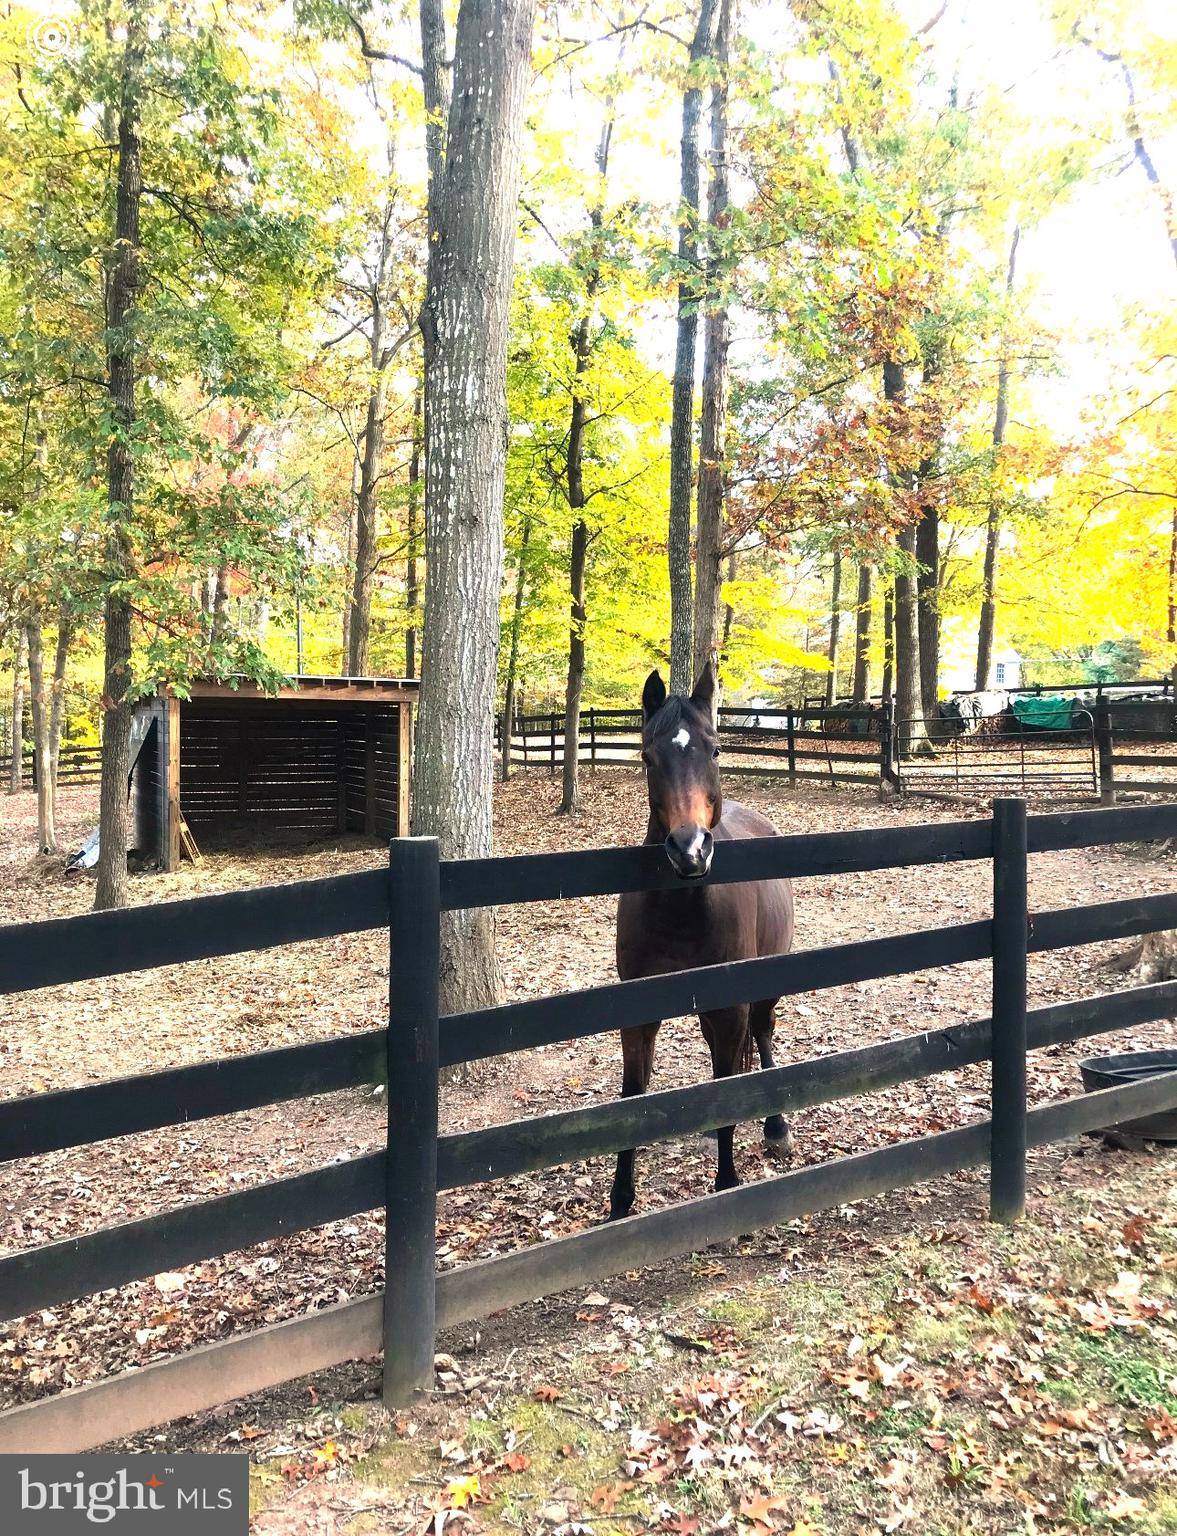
pixel 680 752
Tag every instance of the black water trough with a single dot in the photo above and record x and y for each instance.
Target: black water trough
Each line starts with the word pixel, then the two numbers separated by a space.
pixel 1114 1071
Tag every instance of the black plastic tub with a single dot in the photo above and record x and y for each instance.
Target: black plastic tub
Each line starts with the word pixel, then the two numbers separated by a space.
pixel 1114 1071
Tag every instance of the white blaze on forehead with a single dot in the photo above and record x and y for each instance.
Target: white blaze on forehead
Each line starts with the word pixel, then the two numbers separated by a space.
pixel 682 738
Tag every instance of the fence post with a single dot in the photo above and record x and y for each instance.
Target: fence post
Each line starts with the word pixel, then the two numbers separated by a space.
pixel 410 1237
pixel 1107 767
pixel 593 737
pixel 791 728
pixel 887 745
pixel 552 746
pixel 1007 1158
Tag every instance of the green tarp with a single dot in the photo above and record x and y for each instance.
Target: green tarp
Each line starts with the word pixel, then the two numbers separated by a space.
pixel 1042 712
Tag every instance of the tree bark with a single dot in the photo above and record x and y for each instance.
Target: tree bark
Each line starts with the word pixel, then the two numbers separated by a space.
pixel 906 643
pixel 220 616
pixel 713 428
pixel 729 613
pixel 577 500
pixel 987 621
pixel 16 745
pixel 927 554
pixel 509 704
pixel 371 462
pixel 413 534
pixel 682 409
pixel 42 742
pixel 349 566
pixel 831 689
pixel 908 705
pixel 65 635
pixel 111 888
pixel 364 570
pixel 887 688
pixel 1144 159
pixel 464 327
pixel 860 688
pixel 570 782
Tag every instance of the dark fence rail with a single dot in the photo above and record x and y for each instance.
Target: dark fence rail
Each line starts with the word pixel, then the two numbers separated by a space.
pixel 931 757
pixel 75 765
pixel 767 742
pixel 417 1162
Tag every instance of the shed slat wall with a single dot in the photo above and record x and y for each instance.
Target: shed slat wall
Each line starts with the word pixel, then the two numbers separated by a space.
pixel 281 765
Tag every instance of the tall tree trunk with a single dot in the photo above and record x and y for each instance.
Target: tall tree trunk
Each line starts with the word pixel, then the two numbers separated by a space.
pixel 111 888
pixel 864 613
pixel 713 427
pixel 927 553
pixel 42 744
pixel 887 688
pixel 729 613
pixel 464 328
pixel 908 704
pixel 349 566
pixel 831 689
pixel 906 642
pixel 987 622
pixel 509 701
pixel 413 534
pixel 570 786
pixel 1163 192
pixel 16 745
pixel 65 635
pixel 371 468
pixel 220 614
pixel 682 409
pixel 574 490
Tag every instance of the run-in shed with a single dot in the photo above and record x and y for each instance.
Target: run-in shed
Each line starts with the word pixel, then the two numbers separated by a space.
pixel 323 755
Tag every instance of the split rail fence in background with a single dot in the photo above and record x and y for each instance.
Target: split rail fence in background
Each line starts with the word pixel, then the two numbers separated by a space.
pixel 867 745
pixel 409 897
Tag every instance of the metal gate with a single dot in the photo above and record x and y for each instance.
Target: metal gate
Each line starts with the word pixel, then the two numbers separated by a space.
pixel 998 757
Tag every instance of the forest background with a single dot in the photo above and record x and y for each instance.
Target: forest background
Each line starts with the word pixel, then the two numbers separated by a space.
pixel 841 341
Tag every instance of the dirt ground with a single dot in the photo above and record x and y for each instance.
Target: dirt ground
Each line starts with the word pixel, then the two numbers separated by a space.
pixel 71 1035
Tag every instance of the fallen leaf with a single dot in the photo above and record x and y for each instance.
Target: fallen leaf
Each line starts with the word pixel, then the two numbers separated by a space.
pixel 462 1491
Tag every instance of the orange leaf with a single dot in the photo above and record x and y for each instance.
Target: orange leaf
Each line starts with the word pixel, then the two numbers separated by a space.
pixel 760 1510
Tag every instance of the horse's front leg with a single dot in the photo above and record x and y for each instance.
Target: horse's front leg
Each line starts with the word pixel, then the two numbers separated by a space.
pixel 776 1127
pixel 637 1066
pixel 726 1032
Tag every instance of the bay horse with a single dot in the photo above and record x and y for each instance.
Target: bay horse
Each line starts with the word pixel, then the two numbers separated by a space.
pixel 699 924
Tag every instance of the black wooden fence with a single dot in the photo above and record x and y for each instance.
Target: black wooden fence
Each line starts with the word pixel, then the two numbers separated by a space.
pixel 411 896
pixel 75 765
pixel 869 745
pixel 834 746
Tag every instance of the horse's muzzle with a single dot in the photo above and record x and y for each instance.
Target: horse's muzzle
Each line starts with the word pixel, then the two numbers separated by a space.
pixel 689 850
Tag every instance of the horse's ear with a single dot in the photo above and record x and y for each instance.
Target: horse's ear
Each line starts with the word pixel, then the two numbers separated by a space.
pixel 703 693
pixel 653 695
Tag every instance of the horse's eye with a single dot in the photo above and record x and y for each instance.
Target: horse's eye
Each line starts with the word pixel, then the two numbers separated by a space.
pixel 715 753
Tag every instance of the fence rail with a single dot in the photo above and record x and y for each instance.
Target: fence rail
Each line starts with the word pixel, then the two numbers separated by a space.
pixel 926 756
pixel 418 1162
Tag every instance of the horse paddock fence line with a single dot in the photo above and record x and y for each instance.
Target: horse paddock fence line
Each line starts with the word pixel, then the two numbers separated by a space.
pixel 924 756
pixel 409 897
